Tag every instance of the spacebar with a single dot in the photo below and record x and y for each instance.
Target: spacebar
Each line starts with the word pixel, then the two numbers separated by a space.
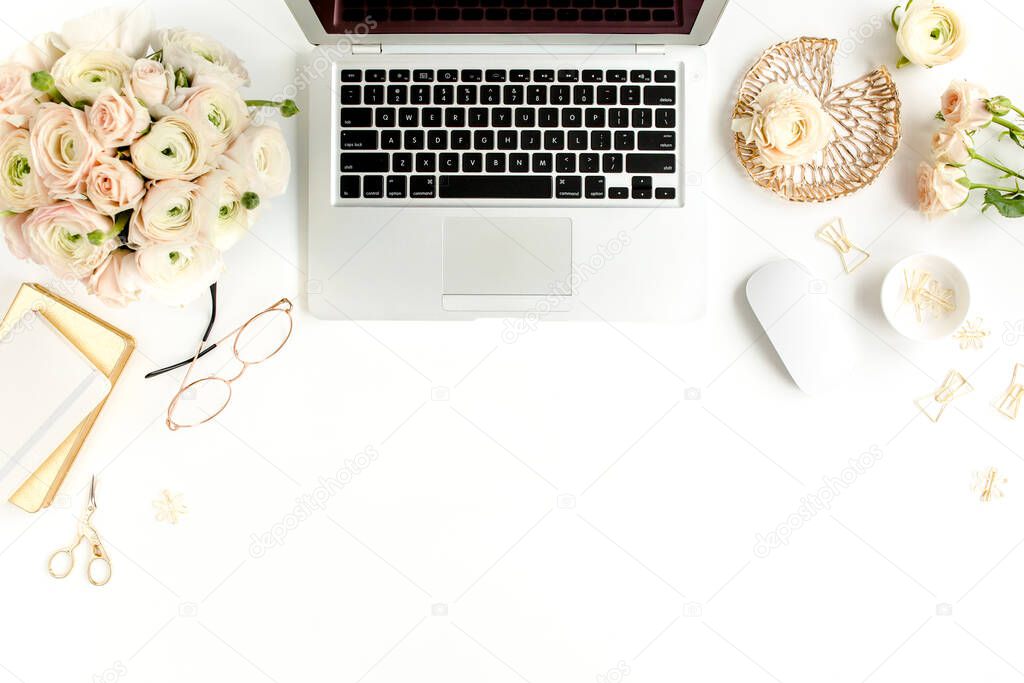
pixel 495 187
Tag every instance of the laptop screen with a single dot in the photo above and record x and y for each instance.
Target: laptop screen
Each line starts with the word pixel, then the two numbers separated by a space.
pixel 507 16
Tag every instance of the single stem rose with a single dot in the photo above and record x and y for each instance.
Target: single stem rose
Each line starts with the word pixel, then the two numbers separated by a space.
pixel 996 165
pixel 288 108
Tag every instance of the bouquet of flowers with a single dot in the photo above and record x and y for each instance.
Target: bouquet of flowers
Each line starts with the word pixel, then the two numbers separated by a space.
pixel 131 162
pixel 943 185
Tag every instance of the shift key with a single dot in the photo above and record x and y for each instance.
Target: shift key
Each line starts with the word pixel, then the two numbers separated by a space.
pixel 364 163
pixel 649 163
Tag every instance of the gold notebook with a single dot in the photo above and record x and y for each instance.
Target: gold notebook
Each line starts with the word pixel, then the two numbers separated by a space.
pixel 104 345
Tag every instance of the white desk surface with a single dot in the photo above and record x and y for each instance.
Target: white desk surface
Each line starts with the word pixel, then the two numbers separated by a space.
pixel 583 503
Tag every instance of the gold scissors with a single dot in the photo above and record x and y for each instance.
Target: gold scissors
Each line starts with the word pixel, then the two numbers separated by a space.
pixel 86 532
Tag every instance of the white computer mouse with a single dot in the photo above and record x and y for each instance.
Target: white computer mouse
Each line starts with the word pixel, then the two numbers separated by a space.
pixel 809 332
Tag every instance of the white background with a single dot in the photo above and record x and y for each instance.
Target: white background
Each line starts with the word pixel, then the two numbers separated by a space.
pixel 561 508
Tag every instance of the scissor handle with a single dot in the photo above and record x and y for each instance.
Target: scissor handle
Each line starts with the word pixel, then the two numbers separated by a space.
pixel 57 573
pixel 108 570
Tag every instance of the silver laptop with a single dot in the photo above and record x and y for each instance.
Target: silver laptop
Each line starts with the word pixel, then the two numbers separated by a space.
pixel 536 158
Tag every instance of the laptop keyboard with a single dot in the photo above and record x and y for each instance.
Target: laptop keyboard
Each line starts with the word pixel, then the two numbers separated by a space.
pixel 523 134
pixel 611 11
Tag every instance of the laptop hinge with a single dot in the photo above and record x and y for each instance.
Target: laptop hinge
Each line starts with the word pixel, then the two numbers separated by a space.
pixel 366 49
pixel 650 49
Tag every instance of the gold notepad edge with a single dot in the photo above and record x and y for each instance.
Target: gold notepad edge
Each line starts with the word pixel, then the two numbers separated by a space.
pixel 107 347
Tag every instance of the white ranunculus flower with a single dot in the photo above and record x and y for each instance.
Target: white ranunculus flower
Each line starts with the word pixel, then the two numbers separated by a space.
pixel 200 55
pixel 81 75
pixel 153 84
pixel 788 125
pixel 114 186
pixel 125 29
pixel 72 239
pixel 63 150
pixel 227 187
pixel 41 53
pixel 178 274
pixel 263 152
pixel 172 211
pixel 20 187
pixel 930 35
pixel 19 101
pixel 173 148
pixel 217 111
pixel 117 120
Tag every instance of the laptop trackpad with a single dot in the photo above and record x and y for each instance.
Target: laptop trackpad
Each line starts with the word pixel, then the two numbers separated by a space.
pixel 507 257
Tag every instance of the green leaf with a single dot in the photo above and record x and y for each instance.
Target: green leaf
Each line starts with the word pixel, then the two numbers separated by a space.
pixel 903 61
pixel 1009 206
pixel 965 181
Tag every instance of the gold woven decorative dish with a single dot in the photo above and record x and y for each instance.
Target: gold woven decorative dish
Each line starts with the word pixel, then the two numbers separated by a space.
pixel 866 113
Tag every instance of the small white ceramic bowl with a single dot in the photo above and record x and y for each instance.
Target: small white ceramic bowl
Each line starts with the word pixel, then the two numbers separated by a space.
pixel 901 313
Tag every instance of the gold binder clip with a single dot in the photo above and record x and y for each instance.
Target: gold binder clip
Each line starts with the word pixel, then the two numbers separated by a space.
pixel 927 295
pixel 1010 404
pixel 934 405
pixel 988 484
pixel 971 335
pixel 852 256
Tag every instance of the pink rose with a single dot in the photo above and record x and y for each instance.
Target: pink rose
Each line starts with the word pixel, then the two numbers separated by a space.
pixel 938 189
pixel 63 150
pixel 117 120
pixel 965 106
pixel 72 239
pixel 19 101
pixel 152 83
pixel 14 234
pixel 114 186
pixel 117 281
pixel 951 146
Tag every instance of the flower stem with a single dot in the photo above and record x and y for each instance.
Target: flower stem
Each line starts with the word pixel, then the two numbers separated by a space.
pixel 999 167
pixel 1008 124
pixel 983 186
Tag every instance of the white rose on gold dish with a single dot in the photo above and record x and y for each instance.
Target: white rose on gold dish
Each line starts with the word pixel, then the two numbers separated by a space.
pixel 117 120
pixel 18 99
pixel 41 53
pixel 172 211
pixel 200 55
pixel 951 146
pixel 178 274
pixel 72 239
pixel 63 150
pixel 20 188
pixel 263 153
pixel 928 34
pixel 965 106
pixel 235 205
pixel 788 125
pixel 117 281
pixel 82 75
pixel 14 234
pixel 114 186
pixel 172 149
pixel 939 189
pixel 152 84
pixel 217 111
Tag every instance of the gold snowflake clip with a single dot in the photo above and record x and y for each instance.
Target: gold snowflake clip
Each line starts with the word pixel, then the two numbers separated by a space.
pixel 972 335
pixel 170 507
pixel 1010 404
pixel 852 256
pixel 988 485
pixel 934 405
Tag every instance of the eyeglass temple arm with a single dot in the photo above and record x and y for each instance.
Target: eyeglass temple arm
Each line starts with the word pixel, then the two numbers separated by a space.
pixel 206 337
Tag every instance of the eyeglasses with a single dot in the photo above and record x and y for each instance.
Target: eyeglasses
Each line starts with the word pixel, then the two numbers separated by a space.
pixel 257 341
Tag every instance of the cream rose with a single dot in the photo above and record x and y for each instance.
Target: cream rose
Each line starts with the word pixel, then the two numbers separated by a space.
pixel 217 111
pixel 930 35
pixel 173 148
pixel 951 146
pixel 939 190
pixel 14 234
pixel 172 211
pixel 965 106
pixel 263 153
pixel 63 150
pixel 178 274
pixel 117 281
pixel 200 55
pixel 72 239
pixel 235 205
pixel 19 101
pixel 20 187
pixel 81 75
pixel 153 84
pixel 114 186
pixel 117 120
pixel 41 53
pixel 788 125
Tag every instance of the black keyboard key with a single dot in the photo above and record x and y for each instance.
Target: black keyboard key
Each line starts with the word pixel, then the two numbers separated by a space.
pixel 519 75
pixel 483 139
pixel 630 94
pixel 641 117
pixel 495 75
pixel 554 139
pixel 351 95
pixel 507 139
pixel 437 140
pixel 351 75
pixel 542 163
pixel 422 187
pixel 525 117
pixel 659 95
pixel 536 94
pixel 618 117
pixel 423 75
pixel 547 117
pixel 615 15
pixel 576 140
pixel 413 139
pixel 665 193
pixel 472 75
pixel 444 94
pixel 568 15
pixel 664 76
pixel 495 187
pixel 432 116
pixel 398 75
pixel 568 75
pixel 611 163
pixel 350 187
pixel 466 94
pixel 376 75
pixel 565 163
pixel 373 94
pixel 447 75
pixel 396 187
pixel 356 117
pixel 373 187
pixel 625 140
pixel 359 139
pixel 454 117
pixel 583 94
pixel 490 94
pixel 494 162
pixel 593 76
pixel 568 187
pixel 426 162
pixel 650 163
pixel 472 162
pixel 616 76
pixel 512 94
pixel 665 118
pixel 594 187
pixel 386 117
pixel 420 94
pixel 607 94
pixel 543 15
pixel 641 193
pixel 408 117
pixel 618 193
pixel 353 162
pixel 518 163
pixel 655 140
pixel 572 117
pixel 560 94
pixel 594 118
pixel 401 163
pixel 461 139
pixel 600 140
pixel 529 139
pixel 642 181
pixel 591 15
pixel 449 163
pixel 398 94
pixel 390 139
pixel 501 117
pixel 543 75
pixel 590 163
pixel 640 76
pixel 477 117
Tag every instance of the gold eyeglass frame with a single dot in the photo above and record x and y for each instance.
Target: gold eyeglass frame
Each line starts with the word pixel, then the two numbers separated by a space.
pixel 284 306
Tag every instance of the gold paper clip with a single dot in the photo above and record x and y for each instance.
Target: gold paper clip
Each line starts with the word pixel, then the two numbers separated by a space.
pixel 927 295
pixel 988 484
pixel 852 256
pixel 1014 396
pixel 971 335
pixel 934 405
